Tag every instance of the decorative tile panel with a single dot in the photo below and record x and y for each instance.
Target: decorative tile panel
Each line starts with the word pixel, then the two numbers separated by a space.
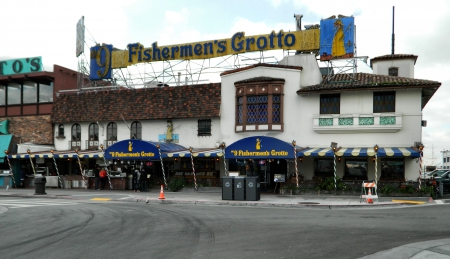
pixel 325 121
pixel 345 121
pixel 366 121
pixel 388 120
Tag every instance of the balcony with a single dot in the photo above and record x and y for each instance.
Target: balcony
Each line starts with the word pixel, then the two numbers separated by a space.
pixel 74 145
pixel 92 144
pixel 352 123
pixel 108 143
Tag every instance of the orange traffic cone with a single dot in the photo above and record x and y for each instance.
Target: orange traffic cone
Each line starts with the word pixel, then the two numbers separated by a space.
pixel 161 194
pixel 369 196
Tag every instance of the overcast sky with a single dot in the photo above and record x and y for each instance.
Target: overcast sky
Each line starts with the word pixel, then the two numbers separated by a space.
pixel 47 28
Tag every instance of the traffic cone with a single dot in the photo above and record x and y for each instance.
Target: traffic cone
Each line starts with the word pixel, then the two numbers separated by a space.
pixel 161 193
pixel 369 196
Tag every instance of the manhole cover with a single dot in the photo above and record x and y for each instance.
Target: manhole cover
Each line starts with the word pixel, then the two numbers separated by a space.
pixel 308 202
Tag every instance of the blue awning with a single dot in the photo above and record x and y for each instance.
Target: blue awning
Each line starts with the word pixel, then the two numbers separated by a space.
pixel 262 147
pixel 134 149
pixel 5 141
pixel 360 152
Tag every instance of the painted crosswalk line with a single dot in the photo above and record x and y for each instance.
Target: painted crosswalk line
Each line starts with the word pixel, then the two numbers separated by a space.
pixel 14 204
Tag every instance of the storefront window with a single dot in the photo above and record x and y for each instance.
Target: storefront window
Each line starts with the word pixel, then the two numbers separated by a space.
pixel 14 93
pixel 45 93
pixel 356 169
pixel 2 95
pixel 323 167
pixel 29 92
pixel 392 169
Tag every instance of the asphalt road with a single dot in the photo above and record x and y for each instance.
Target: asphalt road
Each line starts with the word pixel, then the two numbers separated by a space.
pixel 43 228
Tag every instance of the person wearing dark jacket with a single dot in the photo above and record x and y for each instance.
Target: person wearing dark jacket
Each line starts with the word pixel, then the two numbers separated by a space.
pixel 143 180
pixel 97 177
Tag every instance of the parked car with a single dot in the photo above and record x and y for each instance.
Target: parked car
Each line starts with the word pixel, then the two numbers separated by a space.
pixel 434 174
pixel 445 179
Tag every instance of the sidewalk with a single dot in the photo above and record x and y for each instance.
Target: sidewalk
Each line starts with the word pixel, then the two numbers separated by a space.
pixel 213 196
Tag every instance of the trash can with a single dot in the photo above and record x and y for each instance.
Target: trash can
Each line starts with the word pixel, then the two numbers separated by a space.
pixel 252 188
pixel 39 185
pixel 227 188
pixel 67 184
pixel 239 188
pixel 130 182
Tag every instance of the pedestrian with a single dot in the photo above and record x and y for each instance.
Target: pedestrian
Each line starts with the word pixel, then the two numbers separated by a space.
pixel 97 177
pixel 23 177
pixel 143 180
pixel 103 178
pixel 136 176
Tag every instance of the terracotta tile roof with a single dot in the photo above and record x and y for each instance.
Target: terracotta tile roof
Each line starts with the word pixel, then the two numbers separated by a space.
pixel 259 65
pixel 394 56
pixel 259 79
pixel 364 81
pixel 193 101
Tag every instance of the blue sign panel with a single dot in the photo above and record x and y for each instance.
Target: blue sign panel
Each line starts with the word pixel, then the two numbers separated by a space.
pixel 337 38
pixel 260 147
pixel 134 149
pixel 20 66
pixel 101 62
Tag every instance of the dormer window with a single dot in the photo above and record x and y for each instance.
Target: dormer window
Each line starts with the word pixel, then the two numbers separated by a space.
pixel 393 71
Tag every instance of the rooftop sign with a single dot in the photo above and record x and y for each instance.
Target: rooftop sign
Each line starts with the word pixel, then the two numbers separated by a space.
pixel 20 66
pixel 104 58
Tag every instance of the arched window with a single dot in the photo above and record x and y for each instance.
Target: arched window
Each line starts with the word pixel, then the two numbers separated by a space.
pixel 61 130
pixel 111 133
pixel 76 132
pixel 136 130
pixel 93 132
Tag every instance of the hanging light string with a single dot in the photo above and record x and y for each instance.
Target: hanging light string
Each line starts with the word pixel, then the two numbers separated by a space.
pixel 295 161
pixel 10 169
pixel 222 146
pixel 31 161
pixel 57 171
pixel 162 165
pixel 81 170
pixel 193 169
pixel 106 168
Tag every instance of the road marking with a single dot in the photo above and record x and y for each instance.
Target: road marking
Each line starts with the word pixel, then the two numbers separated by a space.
pixel 100 199
pixel 439 202
pixel 408 201
pixel 14 204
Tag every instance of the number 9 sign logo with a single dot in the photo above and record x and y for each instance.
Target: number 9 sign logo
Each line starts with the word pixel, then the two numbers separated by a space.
pixel 100 62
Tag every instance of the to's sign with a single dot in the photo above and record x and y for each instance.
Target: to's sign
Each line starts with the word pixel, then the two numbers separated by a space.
pixel 20 66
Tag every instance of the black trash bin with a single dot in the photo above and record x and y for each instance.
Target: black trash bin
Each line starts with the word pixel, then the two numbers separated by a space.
pixel 239 188
pixel 227 188
pixel 252 188
pixel 39 184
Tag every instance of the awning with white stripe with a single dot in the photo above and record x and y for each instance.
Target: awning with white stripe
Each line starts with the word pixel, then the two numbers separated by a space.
pixel 60 154
pixel 195 153
pixel 361 152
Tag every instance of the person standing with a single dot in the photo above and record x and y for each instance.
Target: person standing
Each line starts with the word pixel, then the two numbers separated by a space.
pixel 136 175
pixel 103 178
pixel 143 180
pixel 23 177
pixel 97 177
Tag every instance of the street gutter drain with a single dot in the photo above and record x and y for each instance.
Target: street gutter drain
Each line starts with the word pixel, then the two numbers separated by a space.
pixel 308 202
